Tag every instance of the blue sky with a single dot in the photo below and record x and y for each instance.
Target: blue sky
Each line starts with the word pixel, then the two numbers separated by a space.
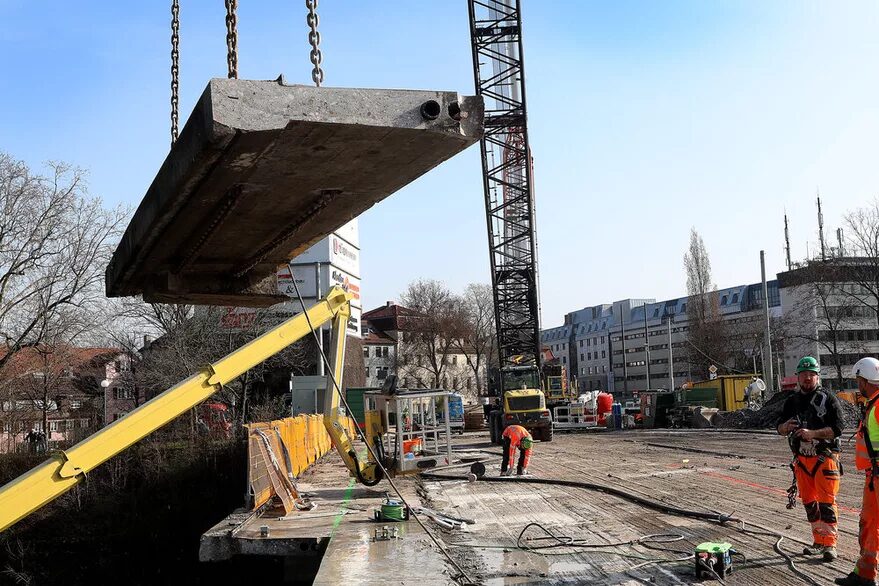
pixel 646 118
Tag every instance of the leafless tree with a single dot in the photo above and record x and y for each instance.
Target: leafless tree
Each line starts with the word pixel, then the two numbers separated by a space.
pixel 706 336
pixel 474 330
pixel 427 343
pixel 55 241
pixel 186 339
pixel 862 229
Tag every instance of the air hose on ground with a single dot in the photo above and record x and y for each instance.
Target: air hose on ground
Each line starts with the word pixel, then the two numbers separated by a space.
pixel 651 504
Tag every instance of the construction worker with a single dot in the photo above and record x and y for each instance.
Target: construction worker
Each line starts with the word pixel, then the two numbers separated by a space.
pixel 813 421
pixel 866 373
pixel 516 436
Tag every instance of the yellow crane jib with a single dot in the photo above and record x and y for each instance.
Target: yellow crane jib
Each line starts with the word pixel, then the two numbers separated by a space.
pixel 63 470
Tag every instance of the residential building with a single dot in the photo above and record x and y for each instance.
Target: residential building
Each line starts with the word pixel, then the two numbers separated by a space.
pixel 71 388
pixel 388 349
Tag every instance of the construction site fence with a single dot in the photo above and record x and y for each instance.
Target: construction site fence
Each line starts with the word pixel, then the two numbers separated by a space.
pixel 279 451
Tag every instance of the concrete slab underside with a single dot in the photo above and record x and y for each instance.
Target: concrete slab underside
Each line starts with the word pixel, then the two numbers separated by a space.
pixel 262 170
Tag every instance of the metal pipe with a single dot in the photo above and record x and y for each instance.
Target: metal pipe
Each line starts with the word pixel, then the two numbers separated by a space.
pixel 767 341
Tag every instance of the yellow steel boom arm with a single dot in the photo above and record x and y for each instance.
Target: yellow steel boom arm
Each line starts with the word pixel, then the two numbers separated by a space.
pixel 63 470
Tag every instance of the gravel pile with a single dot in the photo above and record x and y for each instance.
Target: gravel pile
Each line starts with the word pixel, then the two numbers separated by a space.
pixel 767 417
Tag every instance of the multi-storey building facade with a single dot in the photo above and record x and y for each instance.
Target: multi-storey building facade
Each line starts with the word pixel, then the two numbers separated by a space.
pixel 829 314
pixel 635 344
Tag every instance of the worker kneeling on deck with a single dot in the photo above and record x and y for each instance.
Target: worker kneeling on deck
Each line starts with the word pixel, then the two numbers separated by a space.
pixel 866 372
pixel 812 419
pixel 516 436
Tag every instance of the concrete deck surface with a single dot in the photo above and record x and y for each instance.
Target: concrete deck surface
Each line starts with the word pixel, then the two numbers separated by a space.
pixel 745 474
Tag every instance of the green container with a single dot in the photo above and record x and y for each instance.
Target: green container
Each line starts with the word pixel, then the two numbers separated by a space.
pixel 703 397
pixel 355 403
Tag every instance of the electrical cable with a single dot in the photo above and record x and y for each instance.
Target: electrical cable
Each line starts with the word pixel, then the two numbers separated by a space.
pixel 714 517
pixel 463 577
pixel 720 362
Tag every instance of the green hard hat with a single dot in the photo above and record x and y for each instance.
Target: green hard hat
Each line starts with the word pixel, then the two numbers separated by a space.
pixel 527 443
pixel 808 364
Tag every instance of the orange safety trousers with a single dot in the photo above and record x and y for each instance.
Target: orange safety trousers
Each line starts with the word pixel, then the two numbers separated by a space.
pixel 868 534
pixel 818 485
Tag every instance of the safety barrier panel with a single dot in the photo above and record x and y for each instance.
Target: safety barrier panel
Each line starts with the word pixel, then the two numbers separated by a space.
pixel 279 451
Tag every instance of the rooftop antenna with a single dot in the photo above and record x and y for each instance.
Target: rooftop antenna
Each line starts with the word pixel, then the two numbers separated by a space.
pixel 787 242
pixel 821 230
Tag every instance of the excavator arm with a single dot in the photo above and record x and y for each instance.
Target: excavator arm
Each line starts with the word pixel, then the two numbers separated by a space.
pixel 65 469
pixel 369 472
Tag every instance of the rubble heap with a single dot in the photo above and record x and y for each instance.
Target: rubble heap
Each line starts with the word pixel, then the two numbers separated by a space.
pixel 767 417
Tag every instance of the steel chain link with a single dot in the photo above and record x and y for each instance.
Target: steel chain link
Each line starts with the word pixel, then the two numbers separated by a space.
pixel 232 38
pixel 312 19
pixel 175 67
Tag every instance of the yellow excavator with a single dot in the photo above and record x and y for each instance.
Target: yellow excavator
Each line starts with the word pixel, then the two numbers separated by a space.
pixel 67 468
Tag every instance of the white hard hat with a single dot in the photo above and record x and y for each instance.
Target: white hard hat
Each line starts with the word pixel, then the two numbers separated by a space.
pixel 867 368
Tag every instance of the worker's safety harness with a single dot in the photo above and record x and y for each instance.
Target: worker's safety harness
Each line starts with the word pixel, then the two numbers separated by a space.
pixel 819 403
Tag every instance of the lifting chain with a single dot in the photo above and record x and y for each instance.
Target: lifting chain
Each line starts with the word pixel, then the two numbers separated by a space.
pixel 232 38
pixel 175 66
pixel 317 74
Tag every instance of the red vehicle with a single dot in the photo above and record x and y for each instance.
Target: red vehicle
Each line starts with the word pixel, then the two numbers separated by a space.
pixel 214 419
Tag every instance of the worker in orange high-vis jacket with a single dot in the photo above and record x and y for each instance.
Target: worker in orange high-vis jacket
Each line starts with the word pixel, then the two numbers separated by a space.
pixel 866 372
pixel 813 421
pixel 516 436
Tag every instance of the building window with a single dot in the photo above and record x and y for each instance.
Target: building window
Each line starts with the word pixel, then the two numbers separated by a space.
pixel 602 339
pixel 581 343
pixel 381 373
pixel 367 372
pixel 75 404
pixel 589 356
pixel 454 359
pixel 469 383
pixel 385 351
pixel 588 341
pixel 366 351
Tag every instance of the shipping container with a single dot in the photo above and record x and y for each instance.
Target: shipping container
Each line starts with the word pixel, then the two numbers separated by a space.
pixel 726 392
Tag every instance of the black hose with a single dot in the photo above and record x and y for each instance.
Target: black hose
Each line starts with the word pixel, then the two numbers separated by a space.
pixel 379 473
pixel 650 504
pixel 656 505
